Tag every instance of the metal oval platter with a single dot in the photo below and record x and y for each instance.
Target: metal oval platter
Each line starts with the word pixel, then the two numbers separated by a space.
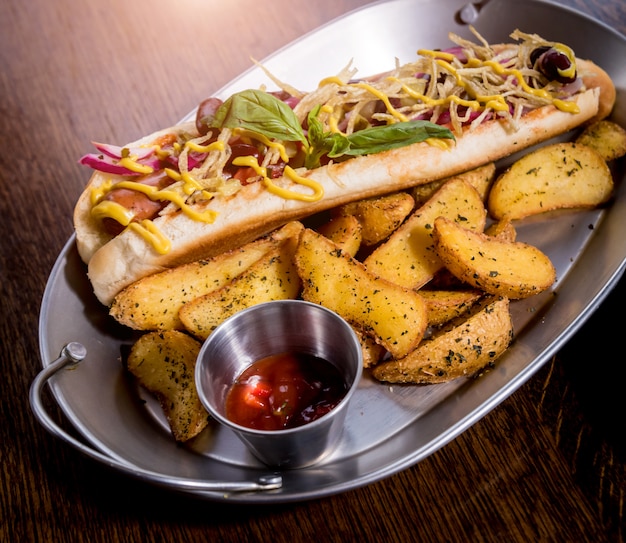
pixel 388 428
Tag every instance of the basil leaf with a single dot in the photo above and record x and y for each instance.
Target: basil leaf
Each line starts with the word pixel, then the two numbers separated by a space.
pixel 339 145
pixel 259 112
pixel 332 144
pixel 316 137
pixel 315 131
pixel 264 114
pixel 383 138
pixel 320 142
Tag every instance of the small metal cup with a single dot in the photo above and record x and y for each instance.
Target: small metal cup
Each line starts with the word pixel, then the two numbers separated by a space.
pixel 273 328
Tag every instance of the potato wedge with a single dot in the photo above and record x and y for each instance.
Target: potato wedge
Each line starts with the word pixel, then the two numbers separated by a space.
pixel 511 269
pixel 273 277
pixel 395 317
pixel 459 350
pixel 164 364
pixel 480 178
pixel 154 302
pixel 345 231
pixel 502 230
pixel 606 137
pixel 408 258
pixel 372 351
pixel 444 305
pixel 557 176
pixel 380 216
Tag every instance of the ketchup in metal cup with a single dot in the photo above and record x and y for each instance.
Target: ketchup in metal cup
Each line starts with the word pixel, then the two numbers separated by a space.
pixel 284 391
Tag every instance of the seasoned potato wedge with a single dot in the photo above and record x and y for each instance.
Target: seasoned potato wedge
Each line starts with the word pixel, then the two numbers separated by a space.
pixel 407 258
pixel 273 277
pixel 379 216
pixel 445 305
pixel 502 230
pixel 164 364
pixel 345 231
pixel 511 269
pixel 461 349
pixel 372 351
pixel 154 302
pixel 557 176
pixel 606 137
pixel 480 178
pixel 394 316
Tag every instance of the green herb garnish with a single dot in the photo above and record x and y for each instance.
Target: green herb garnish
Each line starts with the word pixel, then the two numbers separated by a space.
pixel 263 113
pixel 259 112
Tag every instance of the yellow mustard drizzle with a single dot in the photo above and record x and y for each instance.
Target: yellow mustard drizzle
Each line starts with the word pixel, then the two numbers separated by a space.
pixel 369 88
pixel 282 151
pixel 330 80
pixel 112 210
pixel 564 49
pixel 436 54
pixel 130 162
pixel 317 188
pixel 473 104
pixel 148 231
pixel 566 106
pixel 497 102
pixel 97 193
pixel 501 70
pixel 161 153
pixel 102 208
pixel 214 146
pixel 333 120
pixel 164 194
pixel 190 184
pixel 385 99
pixel 494 101
pixel 146 228
pixel 439 142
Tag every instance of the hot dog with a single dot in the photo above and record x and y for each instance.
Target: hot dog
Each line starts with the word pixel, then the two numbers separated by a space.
pixel 259 159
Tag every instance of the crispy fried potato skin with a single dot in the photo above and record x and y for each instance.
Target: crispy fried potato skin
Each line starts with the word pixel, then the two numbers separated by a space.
pixel 408 258
pixel 558 176
pixel 444 305
pixel 480 178
pixel 154 302
pixel 272 277
pixel 606 137
pixel 380 216
pixel 503 230
pixel 511 269
pixel 372 352
pixel 459 350
pixel 164 364
pixel 395 317
pixel 345 231
pixel 388 308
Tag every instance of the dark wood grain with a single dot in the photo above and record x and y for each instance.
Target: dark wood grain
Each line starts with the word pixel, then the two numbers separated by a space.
pixel 546 465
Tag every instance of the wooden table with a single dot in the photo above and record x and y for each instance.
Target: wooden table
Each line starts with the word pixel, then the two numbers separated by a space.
pixel 546 465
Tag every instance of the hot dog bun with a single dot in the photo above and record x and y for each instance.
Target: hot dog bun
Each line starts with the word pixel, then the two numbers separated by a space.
pixel 595 77
pixel 253 211
pixel 89 235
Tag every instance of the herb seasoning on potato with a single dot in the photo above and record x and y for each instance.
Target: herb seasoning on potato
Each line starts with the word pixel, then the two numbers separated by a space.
pixel 404 227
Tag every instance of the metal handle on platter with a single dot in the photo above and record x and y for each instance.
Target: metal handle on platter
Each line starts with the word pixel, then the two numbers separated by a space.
pixel 469 12
pixel 73 353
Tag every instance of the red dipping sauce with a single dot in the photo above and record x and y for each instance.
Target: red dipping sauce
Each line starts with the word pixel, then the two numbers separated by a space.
pixel 284 391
